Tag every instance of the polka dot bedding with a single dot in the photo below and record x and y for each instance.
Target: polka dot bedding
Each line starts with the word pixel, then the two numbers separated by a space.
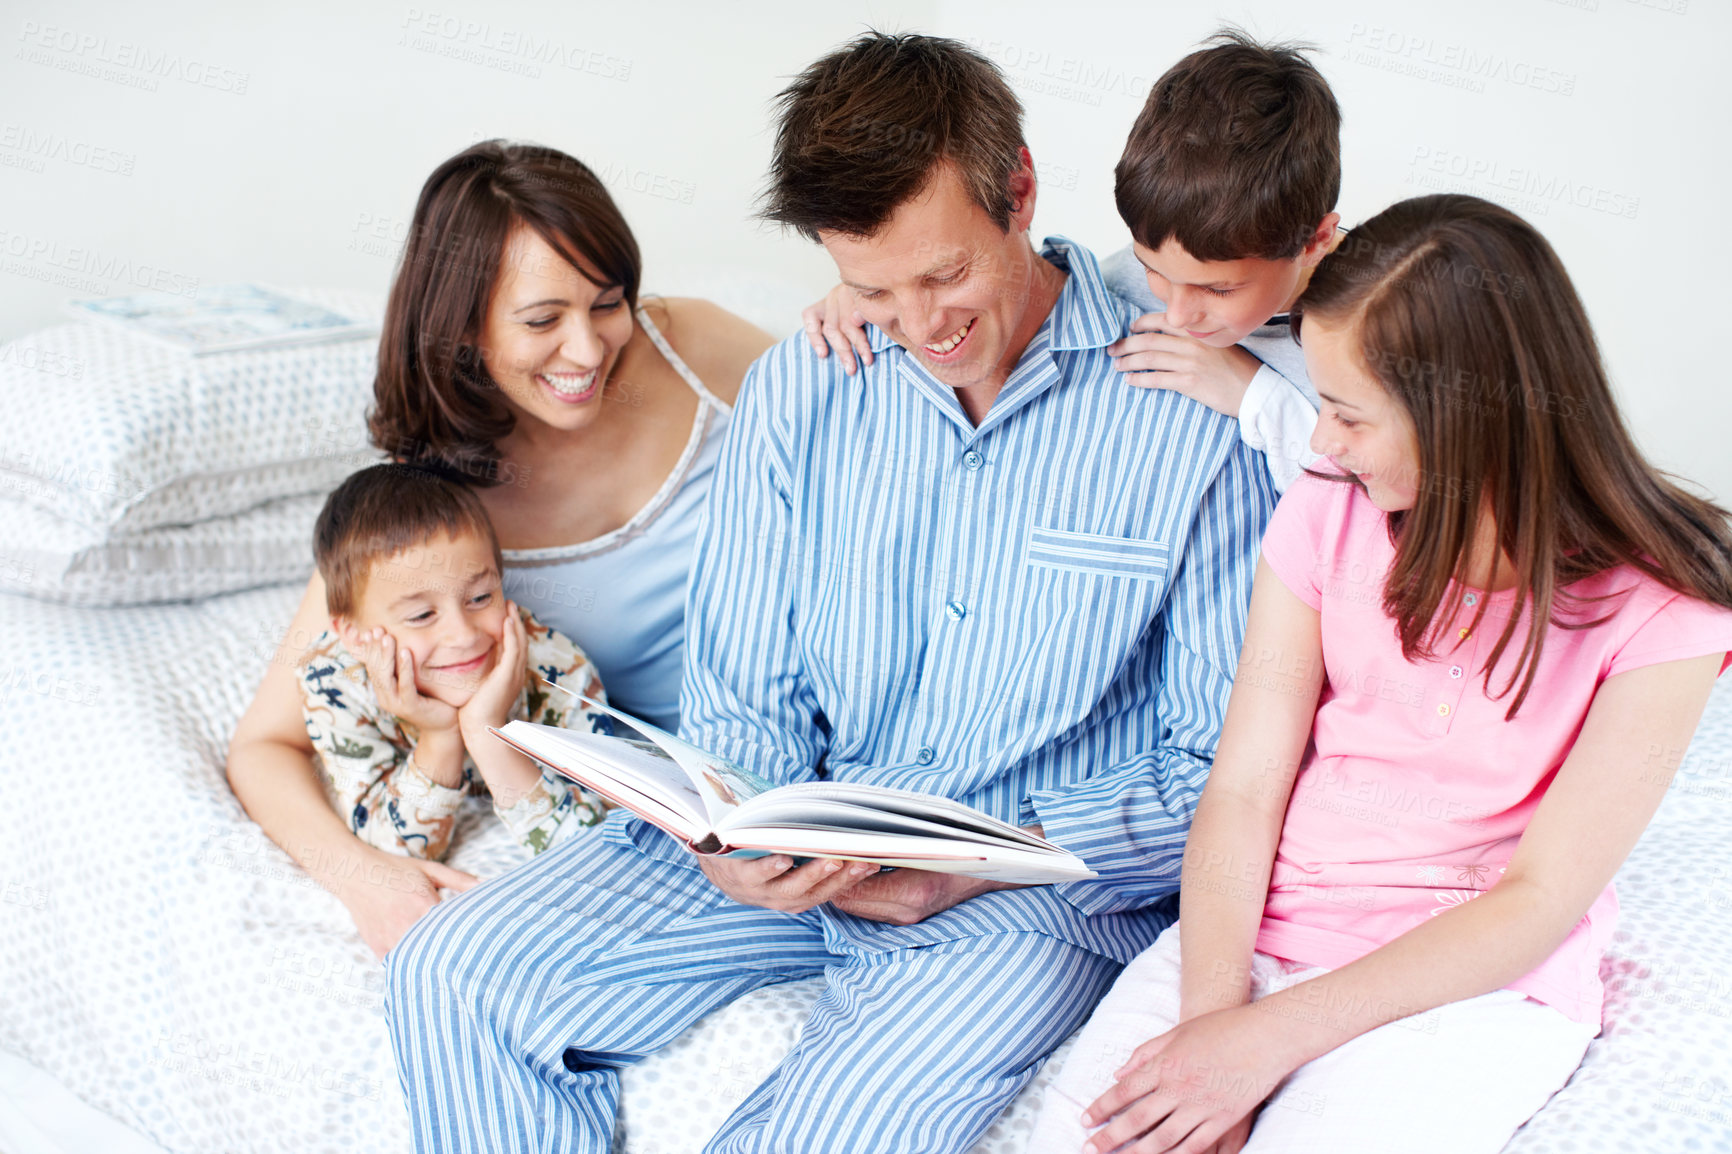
pixel 177 971
pixel 45 555
pixel 122 433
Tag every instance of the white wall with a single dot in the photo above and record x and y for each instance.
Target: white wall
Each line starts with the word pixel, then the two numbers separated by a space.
pixel 1603 121
pixel 309 175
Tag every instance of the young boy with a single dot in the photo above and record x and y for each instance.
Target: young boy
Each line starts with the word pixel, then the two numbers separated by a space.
pixel 424 654
pixel 1228 185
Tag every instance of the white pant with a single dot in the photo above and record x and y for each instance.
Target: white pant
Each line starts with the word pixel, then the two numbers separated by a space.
pixel 1459 1079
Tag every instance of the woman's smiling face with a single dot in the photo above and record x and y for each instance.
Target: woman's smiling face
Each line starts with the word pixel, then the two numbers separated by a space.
pixel 552 335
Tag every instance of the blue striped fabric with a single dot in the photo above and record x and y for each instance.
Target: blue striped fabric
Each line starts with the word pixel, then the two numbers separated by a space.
pixel 1039 616
pixel 1093 553
pixel 513 1007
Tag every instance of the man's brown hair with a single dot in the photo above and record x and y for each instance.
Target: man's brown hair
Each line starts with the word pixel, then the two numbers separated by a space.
pixel 1466 317
pixel 383 510
pixel 433 398
pixel 862 128
pixel 1236 153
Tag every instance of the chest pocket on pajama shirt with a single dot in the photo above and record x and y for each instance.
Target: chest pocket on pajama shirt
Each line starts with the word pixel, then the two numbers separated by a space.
pixel 1133 557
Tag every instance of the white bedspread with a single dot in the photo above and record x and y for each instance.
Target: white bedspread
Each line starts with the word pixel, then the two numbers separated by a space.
pixel 174 968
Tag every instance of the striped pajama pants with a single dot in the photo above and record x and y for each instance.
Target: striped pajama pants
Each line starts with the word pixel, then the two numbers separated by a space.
pixel 514 1007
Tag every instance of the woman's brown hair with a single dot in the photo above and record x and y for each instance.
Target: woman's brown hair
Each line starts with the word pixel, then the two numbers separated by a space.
pixel 1467 318
pixel 433 398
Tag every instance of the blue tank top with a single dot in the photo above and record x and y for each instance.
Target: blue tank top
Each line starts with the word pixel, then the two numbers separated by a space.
pixel 622 596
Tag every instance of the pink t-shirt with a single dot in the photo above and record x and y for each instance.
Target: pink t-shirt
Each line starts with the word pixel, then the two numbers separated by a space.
pixel 1415 790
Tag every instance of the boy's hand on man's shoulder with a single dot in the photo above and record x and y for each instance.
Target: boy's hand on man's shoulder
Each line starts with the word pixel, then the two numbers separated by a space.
pixel 1155 357
pixel 835 323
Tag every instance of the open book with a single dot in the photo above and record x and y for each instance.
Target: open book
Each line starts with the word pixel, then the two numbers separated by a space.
pixel 717 807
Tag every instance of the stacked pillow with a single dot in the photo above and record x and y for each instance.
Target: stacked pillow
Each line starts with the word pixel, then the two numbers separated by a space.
pixel 131 471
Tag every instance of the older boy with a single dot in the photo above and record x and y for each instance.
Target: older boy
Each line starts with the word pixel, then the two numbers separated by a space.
pixel 1228 184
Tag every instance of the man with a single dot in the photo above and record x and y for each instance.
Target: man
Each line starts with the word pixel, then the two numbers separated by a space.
pixel 984 569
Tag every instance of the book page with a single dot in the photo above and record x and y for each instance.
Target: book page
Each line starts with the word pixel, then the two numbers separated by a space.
pixel 809 812
pixel 892 827
pixel 960 820
pixel 629 773
pixel 721 784
pixel 1003 863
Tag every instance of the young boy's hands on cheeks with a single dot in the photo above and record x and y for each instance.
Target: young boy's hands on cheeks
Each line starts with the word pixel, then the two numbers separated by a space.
pixel 492 700
pixel 1154 356
pixel 508 774
pixel 394 675
pixel 396 685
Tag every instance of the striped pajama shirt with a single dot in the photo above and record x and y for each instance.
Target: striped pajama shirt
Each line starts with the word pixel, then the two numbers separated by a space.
pixel 1038 616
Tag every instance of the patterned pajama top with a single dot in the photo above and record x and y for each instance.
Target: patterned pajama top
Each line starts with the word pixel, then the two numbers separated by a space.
pixel 389 803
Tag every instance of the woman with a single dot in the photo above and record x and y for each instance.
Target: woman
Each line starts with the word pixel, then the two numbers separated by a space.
pixel 515 349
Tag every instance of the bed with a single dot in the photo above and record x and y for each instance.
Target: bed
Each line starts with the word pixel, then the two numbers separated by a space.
pixel 175 972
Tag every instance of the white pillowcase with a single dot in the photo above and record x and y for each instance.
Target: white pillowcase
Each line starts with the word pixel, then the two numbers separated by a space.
pixel 52 558
pixel 121 433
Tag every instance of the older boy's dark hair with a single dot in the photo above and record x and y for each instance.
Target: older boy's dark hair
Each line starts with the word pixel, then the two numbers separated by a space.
pixel 1237 153
pixel 862 128
pixel 382 510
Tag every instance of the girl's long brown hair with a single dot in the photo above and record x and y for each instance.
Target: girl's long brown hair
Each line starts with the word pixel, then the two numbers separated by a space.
pixel 1467 318
pixel 433 398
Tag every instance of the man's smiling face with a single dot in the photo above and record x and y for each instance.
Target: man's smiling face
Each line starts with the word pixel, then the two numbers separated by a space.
pixel 946 283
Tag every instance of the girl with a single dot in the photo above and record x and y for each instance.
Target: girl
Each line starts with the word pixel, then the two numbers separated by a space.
pixel 1476 650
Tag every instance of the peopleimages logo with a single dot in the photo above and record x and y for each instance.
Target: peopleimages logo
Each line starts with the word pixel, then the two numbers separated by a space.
pixel 1534 188
pixel 43 146
pixel 1067 77
pixel 87 268
pixel 1456 65
pixel 136 65
pixel 503 47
